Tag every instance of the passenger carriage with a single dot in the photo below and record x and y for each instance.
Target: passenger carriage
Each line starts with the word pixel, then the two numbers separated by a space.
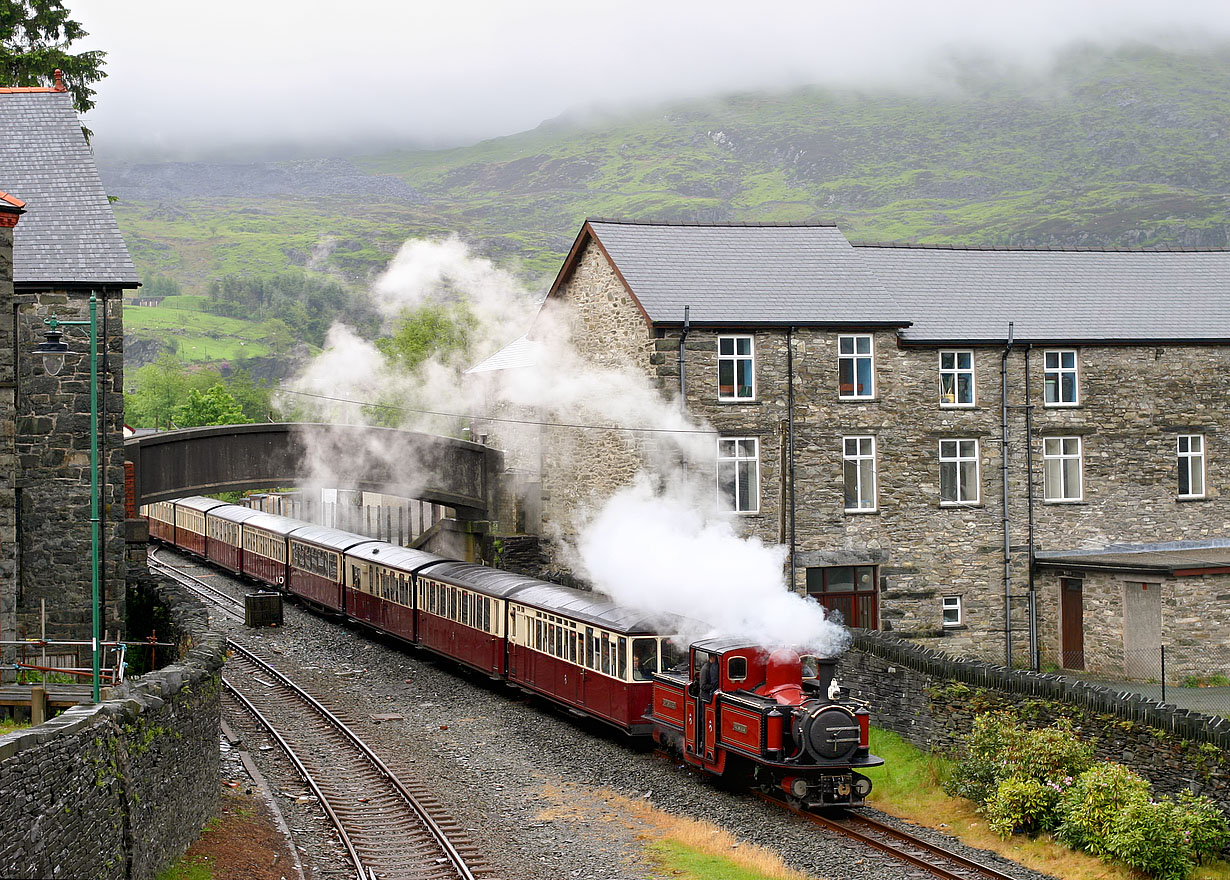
pixel 578 648
pixel 380 587
pixel 264 547
pixel 462 612
pixel 223 541
pixel 161 518
pixel 190 522
pixel 317 573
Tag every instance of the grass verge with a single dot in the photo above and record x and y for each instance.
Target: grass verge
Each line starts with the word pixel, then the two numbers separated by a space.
pixel 909 786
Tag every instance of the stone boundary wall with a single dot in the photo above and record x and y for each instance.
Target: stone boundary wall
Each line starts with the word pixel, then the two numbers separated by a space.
pixel 119 790
pixel 931 700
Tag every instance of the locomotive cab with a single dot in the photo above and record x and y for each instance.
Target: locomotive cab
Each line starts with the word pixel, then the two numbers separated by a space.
pixel 776 716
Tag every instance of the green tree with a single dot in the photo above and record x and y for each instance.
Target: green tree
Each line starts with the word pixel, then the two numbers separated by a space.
pixel 254 400
pixel 36 37
pixel 430 330
pixel 213 407
pixel 158 388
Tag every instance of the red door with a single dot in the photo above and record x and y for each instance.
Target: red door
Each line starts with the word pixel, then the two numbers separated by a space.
pixel 1072 619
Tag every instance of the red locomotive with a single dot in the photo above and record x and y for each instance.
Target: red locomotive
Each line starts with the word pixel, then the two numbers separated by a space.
pixel 775 719
pixel 778 718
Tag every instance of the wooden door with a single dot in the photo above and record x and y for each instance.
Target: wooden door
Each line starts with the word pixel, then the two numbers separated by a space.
pixel 1072 620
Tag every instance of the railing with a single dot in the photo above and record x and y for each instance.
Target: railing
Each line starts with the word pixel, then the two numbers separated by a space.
pixel 1189 676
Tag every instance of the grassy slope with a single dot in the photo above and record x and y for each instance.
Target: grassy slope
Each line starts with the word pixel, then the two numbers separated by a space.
pixel 1127 149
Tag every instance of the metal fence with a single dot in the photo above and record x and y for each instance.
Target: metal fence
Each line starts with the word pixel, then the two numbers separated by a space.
pixel 1190 676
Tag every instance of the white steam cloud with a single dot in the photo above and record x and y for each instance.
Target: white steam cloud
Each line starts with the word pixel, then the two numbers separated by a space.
pixel 661 544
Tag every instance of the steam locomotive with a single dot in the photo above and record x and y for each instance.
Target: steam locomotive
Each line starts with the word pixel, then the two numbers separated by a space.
pixel 776 718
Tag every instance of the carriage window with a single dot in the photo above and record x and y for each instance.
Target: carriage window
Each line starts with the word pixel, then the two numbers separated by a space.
pixel 589 647
pixel 644 658
pixel 572 647
pixel 538 634
pixel 465 607
pixel 606 654
pixel 674 658
pixel 736 668
pixel 623 658
pixel 487 615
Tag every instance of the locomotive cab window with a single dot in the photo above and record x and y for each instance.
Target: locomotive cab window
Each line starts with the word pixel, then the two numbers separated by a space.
pixel 644 659
pixel 736 668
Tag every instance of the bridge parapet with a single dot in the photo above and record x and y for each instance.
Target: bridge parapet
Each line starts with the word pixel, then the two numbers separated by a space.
pixel 234 458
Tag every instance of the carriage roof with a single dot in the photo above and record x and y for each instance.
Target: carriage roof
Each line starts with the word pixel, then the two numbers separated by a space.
pixel 392 556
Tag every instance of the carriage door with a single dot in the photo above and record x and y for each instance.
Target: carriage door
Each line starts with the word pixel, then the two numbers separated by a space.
pixel 1072 617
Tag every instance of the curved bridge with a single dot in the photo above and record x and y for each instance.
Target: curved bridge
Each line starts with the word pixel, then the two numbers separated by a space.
pixel 232 458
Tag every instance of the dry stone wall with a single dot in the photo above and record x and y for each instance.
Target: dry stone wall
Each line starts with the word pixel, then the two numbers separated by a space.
pixel 931 700
pixel 118 790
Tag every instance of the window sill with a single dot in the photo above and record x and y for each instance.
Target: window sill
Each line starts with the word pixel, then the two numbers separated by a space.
pixel 872 399
pixel 1063 406
pixel 862 512
pixel 1185 499
pixel 734 401
pixel 950 627
pixel 958 406
pixel 1069 501
pixel 961 505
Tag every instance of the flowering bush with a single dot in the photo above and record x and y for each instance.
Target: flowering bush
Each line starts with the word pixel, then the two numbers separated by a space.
pixel 1090 806
pixel 1023 804
pixel 977 775
pixel 1204 824
pixel 1149 836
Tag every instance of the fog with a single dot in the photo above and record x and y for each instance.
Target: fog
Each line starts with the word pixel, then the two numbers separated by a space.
pixel 196 79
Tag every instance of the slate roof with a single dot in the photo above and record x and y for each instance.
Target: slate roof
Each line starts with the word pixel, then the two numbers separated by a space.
pixel 1166 558
pixel 956 295
pixel 745 274
pixel 68 234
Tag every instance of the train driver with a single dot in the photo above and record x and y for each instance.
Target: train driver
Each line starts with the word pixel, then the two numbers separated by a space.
pixel 709 678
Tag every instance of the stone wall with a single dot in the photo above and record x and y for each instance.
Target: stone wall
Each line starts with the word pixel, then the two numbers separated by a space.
pixel 580 469
pixel 53 478
pixel 119 790
pixel 931 700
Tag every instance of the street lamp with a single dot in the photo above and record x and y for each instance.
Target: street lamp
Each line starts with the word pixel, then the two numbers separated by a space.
pixel 52 350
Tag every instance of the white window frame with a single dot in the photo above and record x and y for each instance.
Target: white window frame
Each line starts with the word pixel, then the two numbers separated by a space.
pixel 955 459
pixel 1059 371
pixel 734 460
pixel 856 450
pixel 1190 459
pixel 952 603
pixel 734 358
pixel 854 356
pixel 1055 453
pixel 955 372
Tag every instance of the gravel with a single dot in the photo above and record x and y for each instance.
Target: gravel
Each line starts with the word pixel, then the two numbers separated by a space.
pixel 547 795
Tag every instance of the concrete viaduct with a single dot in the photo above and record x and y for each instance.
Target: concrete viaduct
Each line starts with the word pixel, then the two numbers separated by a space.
pixel 204 461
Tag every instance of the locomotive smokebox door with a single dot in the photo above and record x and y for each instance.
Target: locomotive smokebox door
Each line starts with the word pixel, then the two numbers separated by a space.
pixel 262 609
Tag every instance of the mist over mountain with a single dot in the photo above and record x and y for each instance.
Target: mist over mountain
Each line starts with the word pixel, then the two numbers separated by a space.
pixel 1125 147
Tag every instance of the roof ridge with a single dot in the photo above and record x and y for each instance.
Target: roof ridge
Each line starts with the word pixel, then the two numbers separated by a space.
pixel 1105 249
pixel 11 199
pixel 715 223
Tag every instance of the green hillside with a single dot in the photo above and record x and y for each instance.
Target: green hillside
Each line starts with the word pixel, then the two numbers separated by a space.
pixel 1131 148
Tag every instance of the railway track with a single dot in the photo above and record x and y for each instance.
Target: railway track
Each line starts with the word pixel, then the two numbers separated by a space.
pixel 932 858
pixel 220 599
pixel 391 828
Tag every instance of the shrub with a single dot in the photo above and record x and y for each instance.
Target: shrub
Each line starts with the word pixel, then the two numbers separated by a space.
pixel 1090 806
pixel 977 775
pixel 1048 755
pixel 1149 836
pixel 1022 804
pixel 1204 824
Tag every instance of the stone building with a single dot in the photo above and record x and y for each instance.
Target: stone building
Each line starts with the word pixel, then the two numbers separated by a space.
pixel 67 247
pixel 1008 452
